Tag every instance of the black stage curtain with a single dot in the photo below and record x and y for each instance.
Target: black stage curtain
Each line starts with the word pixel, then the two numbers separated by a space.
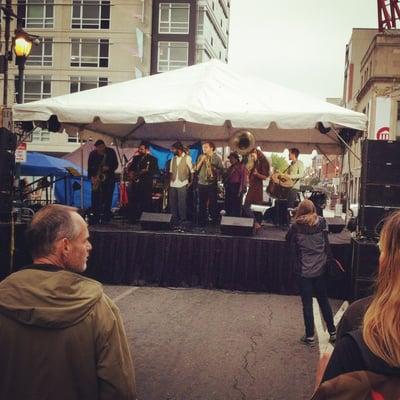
pixel 207 261
pixel 212 261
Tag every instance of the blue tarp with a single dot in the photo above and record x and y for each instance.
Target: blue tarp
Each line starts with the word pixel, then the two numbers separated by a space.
pixel 163 155
pixel 65 194
pixel 38 164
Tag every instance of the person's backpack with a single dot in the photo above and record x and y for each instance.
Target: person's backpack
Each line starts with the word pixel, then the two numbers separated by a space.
pixel 361 385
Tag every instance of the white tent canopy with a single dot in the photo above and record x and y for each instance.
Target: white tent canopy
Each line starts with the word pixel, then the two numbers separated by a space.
pixel 205 101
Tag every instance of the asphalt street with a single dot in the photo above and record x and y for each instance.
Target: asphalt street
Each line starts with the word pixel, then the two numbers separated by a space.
pixel 192 344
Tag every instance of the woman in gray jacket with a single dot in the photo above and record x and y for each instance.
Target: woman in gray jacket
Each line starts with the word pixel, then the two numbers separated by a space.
pixel 310 251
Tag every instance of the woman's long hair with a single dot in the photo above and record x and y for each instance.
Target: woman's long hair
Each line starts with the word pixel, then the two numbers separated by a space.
pixel 381 330
pixel 306 213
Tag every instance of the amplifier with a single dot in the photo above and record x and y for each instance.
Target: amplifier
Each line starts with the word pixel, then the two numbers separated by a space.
pixel 237 226
pixel 155 221
pixel 371 219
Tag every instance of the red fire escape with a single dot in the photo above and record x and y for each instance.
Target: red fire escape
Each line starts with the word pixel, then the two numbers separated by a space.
pixel 388 14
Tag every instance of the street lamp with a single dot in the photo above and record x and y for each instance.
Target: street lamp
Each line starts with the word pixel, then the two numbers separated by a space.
pixel 22 48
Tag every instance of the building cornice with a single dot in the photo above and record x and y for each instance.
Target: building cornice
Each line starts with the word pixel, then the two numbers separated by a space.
pixel 375 80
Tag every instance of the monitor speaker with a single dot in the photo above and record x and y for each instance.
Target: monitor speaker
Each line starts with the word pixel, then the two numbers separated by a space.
pixel 155 221
pixel 335 225
pixel 236 226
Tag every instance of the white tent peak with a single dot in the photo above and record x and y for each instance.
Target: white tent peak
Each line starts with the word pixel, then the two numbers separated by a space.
pixel 205 96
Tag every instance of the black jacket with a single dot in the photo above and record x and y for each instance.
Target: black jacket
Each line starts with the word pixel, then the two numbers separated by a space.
pixel 110 161
pixel 309 248
pixel 146 162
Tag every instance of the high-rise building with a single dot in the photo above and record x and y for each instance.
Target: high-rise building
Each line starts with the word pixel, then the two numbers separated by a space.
pixel 90 43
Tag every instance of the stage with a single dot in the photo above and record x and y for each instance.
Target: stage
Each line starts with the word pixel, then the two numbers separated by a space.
pixel 124 254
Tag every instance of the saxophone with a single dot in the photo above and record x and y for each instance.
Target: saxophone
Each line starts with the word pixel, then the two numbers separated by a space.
pixel 100 176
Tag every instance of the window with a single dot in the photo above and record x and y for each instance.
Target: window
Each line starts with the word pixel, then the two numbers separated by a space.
pixel 80 83
pixel 40 135
pixel 91 14
pixel 172 55
pixel 36 13
pixel 212 41
pixel 174 18
pixel 89 53
pixel 36 87
pixel 213 7
pixel 42 54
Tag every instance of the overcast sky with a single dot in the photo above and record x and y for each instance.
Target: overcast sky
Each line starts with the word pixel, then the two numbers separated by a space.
pixel 297 43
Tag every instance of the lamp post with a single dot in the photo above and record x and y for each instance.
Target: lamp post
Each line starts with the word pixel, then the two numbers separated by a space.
pixel 22 48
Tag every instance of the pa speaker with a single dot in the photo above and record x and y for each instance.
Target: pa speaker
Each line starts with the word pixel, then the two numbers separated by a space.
pixel 236 226
pixel 383 195
pixel 8 140
pixel 371 219
pixel 155 221
pixel 364 267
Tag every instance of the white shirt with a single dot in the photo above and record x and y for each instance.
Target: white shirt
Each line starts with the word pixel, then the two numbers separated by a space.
pixel 178 183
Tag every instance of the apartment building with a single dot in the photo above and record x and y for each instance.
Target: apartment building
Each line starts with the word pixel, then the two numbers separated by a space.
pixel 90 43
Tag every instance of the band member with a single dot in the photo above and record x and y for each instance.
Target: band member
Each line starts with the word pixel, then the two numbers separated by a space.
pixel 258 167
pixel 102 164
pixel 141 171
pixel 209 166
pixel 235 185
pixel 180 177
pixel 296 173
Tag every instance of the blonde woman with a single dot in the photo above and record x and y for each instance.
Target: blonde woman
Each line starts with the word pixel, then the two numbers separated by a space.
pixel 309 248
pixel 375 347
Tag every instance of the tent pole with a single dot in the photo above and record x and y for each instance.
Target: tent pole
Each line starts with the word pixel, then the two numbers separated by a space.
pixel 345 144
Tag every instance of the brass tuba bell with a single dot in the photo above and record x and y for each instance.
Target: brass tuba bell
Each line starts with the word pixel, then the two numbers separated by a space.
pixel 243 142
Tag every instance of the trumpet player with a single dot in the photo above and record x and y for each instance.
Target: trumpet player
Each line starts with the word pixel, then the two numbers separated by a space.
pixel 208 167
pixel 102 164
pixel 141 171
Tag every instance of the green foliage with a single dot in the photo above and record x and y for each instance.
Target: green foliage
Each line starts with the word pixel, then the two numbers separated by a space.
pixel 279 163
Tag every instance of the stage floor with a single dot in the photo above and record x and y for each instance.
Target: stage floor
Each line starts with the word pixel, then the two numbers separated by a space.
pixel 125 254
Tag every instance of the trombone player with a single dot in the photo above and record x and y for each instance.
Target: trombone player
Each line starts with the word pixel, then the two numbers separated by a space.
pixel 102 164
pixel 208 167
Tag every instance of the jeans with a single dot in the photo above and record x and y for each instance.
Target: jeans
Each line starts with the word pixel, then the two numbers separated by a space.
pixel 178 205
pixel 317 286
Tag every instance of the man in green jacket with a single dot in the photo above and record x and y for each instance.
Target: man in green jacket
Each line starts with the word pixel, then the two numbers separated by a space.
pixel 61 337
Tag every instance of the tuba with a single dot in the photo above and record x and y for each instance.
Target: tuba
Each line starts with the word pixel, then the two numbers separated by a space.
pixel 243 142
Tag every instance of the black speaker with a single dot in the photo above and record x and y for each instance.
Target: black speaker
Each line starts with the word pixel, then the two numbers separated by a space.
pixel 372 218
pixel 384 195
pixel 378 152
pixel 335 225
pixel 155 221
pixel 8 142
pixel 364 267
pixel 236 226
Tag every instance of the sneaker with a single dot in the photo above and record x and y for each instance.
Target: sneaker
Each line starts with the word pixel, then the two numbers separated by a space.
pixel 332 337
pixel 308 340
